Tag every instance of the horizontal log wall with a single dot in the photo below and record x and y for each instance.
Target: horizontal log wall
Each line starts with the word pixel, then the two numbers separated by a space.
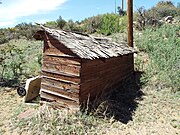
pixel 101 74
pixel 60 74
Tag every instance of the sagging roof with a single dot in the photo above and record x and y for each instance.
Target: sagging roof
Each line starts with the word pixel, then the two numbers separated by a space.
pixel 89 47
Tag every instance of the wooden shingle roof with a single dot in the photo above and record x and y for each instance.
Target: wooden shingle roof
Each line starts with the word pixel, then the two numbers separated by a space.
pixel 89 47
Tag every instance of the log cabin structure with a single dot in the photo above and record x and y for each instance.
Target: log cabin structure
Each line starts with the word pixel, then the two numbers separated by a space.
pixel 78 67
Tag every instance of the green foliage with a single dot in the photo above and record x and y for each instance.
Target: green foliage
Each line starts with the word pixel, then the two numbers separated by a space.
pixel 112 23
pixel 163 9
pixel 163 48
pixel 20 59
pixel 72 26
pixel 3 36
pixel 121 12
pixel 12 61
pixel 105 24
pixel 154 16
pixel 23 30
pixel 91 24
pixel 61 22
pixel 51 24
pixel 178 5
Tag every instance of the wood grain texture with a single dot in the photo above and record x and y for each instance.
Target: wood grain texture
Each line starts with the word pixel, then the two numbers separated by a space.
pixel 85 46
pixel 76 66
pixel 59 101
pixel 103 76
pixel 69 94
pixel 61 77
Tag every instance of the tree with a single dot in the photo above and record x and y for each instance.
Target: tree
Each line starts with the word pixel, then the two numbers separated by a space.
pixel 178 5
pixel 165 3
pixel 120 11
pixel 61 22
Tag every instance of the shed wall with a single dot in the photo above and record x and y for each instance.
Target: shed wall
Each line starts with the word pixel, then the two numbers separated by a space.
pixel 60 74
pixel 101 74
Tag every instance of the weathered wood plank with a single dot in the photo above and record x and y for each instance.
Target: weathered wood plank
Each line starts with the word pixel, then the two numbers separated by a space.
pixel 56 52
pixel 101 75
pixel 111 61
pixel 56 45
pixel 61 77
pixel 59 100
pixel 60 92
pixel 32 88
pixel 105 68
pixel 61 84
pixel 103 81
pixel 94 90
pixel 63 60
pixel 62 68
pixel 107 72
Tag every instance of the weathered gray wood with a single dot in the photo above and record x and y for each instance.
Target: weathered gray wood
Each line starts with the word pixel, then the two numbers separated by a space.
pixel 59 101
pixel 85 46
pixel 32 88
pixel 61 77
pixel 60 92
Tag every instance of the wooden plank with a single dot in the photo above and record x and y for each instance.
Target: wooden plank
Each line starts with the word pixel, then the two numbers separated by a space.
pixel 113 76
pixel 60 73
pixel 111 61
pixel 107 80
pixel 55 44
pixel 61 84
pixel 62 68
pixel 105 68
pixel 61 77
pixel 95 88
pixel 63 60
pixel 60 92
pixel 59 100
pixel 56 52
pixel 111 73
pixel 96 80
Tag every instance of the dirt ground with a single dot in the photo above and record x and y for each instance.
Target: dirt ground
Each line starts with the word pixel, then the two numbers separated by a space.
pixel 11 105
pixel 158 113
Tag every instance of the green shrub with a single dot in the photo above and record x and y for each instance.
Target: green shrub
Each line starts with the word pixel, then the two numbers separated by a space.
pixel 163 47
pixel 60 22
pixel 91 24
pixel 105 24
pixel 112 23
pixel 20 59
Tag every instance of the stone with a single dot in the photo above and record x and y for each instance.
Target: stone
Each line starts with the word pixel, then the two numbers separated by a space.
pixel 169 19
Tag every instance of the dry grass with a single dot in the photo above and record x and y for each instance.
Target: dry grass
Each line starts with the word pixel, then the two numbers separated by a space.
pixel 156 112
pixel 130 109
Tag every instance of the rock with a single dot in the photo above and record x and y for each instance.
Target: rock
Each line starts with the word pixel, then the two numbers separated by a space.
pixel 27 114
pixel 169 19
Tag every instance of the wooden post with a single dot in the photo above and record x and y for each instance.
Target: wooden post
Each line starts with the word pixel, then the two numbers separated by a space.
pixel 115 6
pixel 122 5
pixel 130 22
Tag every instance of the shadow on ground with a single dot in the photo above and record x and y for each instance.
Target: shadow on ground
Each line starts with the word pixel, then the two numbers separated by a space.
pixel 122 102
pixel 13 83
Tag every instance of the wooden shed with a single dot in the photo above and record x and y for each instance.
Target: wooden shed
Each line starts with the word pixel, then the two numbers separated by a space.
pixel 78 67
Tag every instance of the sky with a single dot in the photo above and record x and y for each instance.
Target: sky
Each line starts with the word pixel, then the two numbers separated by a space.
pixel 13 12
